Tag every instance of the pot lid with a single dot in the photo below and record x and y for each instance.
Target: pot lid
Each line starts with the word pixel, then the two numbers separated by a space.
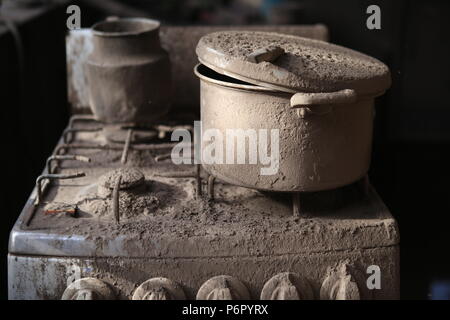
pixel 292 64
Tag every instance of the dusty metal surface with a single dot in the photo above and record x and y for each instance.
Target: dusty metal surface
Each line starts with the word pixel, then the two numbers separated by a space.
pixel 175 218
pixel 255 225
pixel 182 57
pixel 47 277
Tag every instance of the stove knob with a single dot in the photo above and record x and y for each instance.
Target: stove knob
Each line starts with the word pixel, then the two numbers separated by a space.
pixel 345 289
pixel 287 286
pixel 223 288
pixel 88 289
pixel 220 294
pixel 340 284
pixel 157 294
pixel 159 289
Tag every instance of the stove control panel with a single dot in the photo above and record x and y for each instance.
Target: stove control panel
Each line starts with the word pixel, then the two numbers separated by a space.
pixel 343 279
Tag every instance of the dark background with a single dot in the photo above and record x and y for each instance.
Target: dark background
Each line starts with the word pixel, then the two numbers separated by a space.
pixel 410 164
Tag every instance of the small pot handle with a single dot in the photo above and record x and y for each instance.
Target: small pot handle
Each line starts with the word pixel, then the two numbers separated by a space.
pixel 305 99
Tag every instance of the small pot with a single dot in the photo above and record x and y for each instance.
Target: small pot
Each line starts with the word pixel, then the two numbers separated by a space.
pixel 324 137
pixel 128 72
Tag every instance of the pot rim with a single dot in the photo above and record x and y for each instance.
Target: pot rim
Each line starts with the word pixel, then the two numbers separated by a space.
pixel 251 87
pixel 254 87
pixel 152 25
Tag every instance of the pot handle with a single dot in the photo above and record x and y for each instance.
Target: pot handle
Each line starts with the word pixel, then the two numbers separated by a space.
pixel 320 103
pixel 306 99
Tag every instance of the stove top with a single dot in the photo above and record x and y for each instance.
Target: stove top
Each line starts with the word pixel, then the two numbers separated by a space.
pixel 159 210
pixel 166 215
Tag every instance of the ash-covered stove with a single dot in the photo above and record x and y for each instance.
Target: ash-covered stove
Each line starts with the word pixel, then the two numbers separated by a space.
pixel 112 217
pixel 164 221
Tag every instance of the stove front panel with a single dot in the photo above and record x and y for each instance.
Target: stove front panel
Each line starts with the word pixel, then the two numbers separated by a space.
pixel 47 277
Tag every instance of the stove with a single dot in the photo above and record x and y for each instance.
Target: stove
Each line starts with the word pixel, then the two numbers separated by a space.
pixel 166 231
pixel 113 217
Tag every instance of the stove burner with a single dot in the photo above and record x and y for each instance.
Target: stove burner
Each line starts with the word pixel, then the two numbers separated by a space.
pixel 129 178
pixel 127 189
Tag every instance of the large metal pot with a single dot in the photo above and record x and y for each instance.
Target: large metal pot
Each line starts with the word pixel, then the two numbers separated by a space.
pixel 128 72
pixel 324 137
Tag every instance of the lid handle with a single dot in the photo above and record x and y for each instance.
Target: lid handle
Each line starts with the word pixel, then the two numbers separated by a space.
pixel 268 54
pixel 303 99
